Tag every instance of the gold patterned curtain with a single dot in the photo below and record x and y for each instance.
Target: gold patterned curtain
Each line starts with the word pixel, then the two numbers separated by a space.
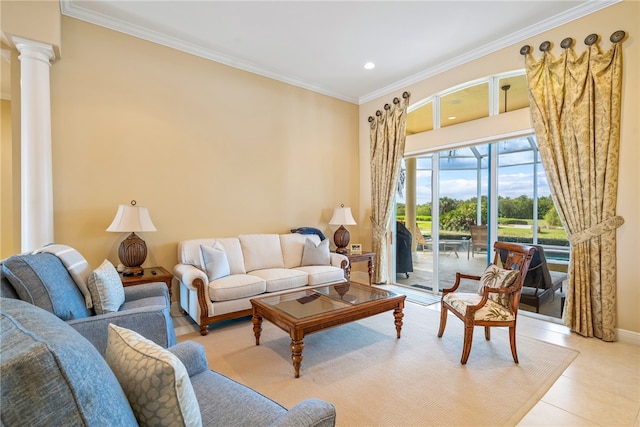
pixel 388 136
pixel 575 108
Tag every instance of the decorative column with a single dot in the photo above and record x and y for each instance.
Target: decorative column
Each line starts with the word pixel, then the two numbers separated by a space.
pixel 36 165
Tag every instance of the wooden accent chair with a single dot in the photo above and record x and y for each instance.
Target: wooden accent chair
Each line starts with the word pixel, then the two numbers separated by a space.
pixel 478 239
pixel 496 302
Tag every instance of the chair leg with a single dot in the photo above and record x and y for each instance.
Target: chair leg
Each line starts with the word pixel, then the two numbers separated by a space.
pixel 487 333
pixel 443 320
pixel 466 348
pixel 512 340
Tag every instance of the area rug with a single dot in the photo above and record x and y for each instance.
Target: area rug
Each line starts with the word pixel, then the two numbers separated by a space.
pixel 375 379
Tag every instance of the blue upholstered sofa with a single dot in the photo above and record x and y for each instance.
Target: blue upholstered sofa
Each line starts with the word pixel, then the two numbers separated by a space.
pixel 43 280
pixel 51 375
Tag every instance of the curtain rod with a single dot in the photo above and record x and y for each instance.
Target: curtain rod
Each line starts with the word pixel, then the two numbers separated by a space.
pixel 405 95
pixel 568 42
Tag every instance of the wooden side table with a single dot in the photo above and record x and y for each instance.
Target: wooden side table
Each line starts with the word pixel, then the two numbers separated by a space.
pixel 363 257
pixel 150 275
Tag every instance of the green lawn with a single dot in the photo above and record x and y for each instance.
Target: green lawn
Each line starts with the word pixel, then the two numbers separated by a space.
pixel 509 231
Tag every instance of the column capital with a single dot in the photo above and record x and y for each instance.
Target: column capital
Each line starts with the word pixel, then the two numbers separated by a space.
pixel 35 50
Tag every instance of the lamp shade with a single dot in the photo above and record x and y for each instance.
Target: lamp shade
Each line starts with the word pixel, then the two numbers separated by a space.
pixel 342 216
pixel 130 219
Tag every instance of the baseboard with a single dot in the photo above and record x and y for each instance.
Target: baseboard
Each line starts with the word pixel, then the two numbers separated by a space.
pixel 628 337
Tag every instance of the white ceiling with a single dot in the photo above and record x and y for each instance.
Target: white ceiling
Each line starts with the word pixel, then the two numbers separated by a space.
pixel 323 45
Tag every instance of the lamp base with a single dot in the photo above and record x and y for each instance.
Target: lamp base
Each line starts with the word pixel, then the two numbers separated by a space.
pixel 133 271
pixel 132 253
pixel 341 238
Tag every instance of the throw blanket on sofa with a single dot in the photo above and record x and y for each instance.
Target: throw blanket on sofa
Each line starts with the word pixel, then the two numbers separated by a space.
pixel 309 230
pixel 77 266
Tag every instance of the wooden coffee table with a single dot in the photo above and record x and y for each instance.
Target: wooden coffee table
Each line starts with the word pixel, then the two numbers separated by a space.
pixel 302 312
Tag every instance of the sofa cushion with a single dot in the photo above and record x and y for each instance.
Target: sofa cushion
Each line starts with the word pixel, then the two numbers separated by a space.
pixel 280 279
pixel 154 380
pixel 106 289
pixel 230 403
pixel 42 280
pixel 234 253
pixel 293 247
pixel 316 254
pixel 215 260
pixel 189 253
pixel 236 286
pixel 51 375
pixel 76 265
pixel 261 251
pixel 321 274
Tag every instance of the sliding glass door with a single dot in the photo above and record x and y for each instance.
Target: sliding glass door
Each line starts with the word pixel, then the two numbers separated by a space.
pixel 464 199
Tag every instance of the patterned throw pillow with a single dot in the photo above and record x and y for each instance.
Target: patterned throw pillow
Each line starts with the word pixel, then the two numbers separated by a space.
pixel 316 255
pixel 496 277
pixel 106 289
pixel 215 260
pixel 154 380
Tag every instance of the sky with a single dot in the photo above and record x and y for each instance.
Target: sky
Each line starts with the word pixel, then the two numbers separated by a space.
pixel 513 182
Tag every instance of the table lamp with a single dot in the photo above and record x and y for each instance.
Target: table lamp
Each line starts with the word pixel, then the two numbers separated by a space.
pixel 342 216
pixel 133 250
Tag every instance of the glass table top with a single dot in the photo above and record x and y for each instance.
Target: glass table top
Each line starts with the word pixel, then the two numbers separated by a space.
pixel 313 301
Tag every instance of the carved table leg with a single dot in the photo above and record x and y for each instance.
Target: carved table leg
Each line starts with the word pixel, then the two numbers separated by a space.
pixel 398 315
pixel 257 326
pixel 296 353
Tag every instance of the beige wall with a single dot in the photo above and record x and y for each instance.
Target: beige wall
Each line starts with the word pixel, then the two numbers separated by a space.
pixel 7 226
pixel 621 16
pixel 214 151
pixel 210 150
pixel 37 20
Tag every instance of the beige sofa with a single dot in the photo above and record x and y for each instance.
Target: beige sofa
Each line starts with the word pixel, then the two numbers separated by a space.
pixel 219 276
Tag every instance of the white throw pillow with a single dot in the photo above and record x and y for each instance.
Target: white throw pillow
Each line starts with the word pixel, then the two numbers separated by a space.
pixel 496 277
pixel 316 255
pixel 154 380
pixel 105 286
pixel 215 260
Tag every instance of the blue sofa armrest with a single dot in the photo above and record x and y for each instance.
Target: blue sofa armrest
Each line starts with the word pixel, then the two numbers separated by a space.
pixel 192 356
pixel 146 290
pixel 152 322
pixel 310 412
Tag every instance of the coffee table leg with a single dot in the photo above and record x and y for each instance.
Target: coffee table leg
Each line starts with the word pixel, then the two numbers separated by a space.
pixel 296 353
pixel 257 326
pixel 398 315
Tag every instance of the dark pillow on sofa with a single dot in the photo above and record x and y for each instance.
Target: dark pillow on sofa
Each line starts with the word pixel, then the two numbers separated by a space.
pixel 42 280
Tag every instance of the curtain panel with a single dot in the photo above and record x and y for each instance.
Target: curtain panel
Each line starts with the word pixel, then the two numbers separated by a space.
pixel 575 109
pixel 387 141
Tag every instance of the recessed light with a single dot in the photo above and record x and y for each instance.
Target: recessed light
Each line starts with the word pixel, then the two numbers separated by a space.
pixel 452 118
pixel 369 66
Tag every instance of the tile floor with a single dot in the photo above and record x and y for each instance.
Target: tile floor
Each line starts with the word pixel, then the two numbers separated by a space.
pixel 601 387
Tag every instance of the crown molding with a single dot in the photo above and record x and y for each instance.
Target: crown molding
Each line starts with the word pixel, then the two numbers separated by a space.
pixel 71 9
pixel 546 25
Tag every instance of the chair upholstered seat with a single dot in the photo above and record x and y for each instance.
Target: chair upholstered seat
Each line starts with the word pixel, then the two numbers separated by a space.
pixel 490 311
pixel 496 302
